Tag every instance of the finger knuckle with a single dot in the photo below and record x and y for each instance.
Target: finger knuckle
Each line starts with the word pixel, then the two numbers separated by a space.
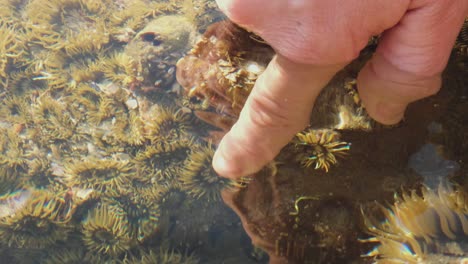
pixel 267 112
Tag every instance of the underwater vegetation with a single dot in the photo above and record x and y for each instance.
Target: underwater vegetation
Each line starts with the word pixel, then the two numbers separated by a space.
pixel 319 148
pixel 430 227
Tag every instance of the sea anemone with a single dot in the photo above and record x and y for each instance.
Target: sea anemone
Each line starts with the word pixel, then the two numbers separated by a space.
pixel 425 228
pixel 12 155
pixel 319 148
pixel 75 26
pixel 73 255
pixel 105 231
pixel 141 213
pixel 200 180
pixel 52 120
pixel 24 82
pixel 163 256
pixel 99 174
pixel 11 47
pixel 40 223
pixel 168 124
pixel 15 109
pixel 165 160
pixel 121 68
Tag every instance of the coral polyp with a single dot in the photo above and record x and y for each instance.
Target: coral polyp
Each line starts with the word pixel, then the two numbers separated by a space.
pixel 427 228
pixel 99 174
pixel 200 180
pixel 39 223
pixel 105 231
pixel 319 148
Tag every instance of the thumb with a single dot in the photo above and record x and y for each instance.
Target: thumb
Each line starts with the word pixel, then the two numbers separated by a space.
pixel 278 107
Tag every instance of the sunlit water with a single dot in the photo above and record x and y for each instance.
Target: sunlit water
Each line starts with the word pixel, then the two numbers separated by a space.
pixel 105 158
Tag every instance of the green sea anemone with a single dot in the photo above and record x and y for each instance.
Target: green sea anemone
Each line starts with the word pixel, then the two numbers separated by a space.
pixel 163 256
pixel 164 160
pixel 141 213
pixel 105 231
pixel 41 222
pixel 200 180
pixel 168 124
pixel 100 174
pixel 319 148
pixel 427 228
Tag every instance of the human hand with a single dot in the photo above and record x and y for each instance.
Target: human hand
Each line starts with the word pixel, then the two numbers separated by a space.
pixel 314 39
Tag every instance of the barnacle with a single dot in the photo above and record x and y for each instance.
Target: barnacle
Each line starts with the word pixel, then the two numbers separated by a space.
pixel 41 222
pixel 100 174
pixel 163 160
pixel 163 256
pixel 168 124
pixel 419 228
pixel 141 213
pixel 319 148
pixel 200 180
pixel 105 231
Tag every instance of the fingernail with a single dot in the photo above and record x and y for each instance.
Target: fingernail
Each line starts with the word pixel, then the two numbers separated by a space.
pixel 224 167
pixel 222 5
pixel 390 113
